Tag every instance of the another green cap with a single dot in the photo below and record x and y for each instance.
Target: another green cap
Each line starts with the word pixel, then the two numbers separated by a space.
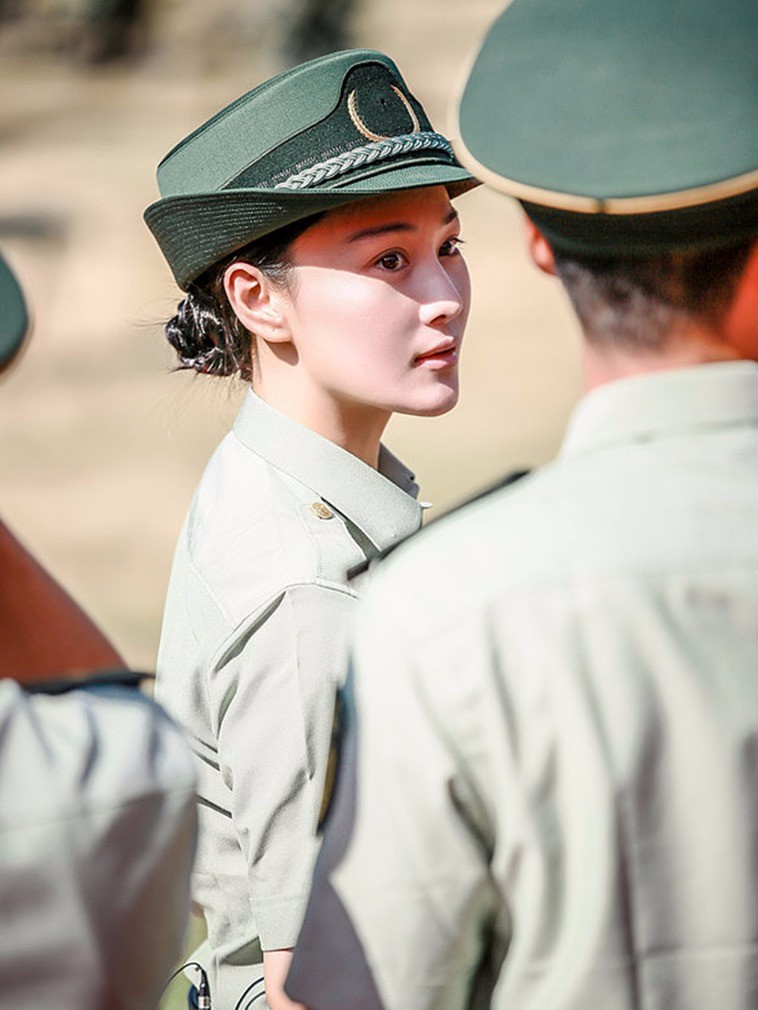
pixel 633 125
pixel 329 132
pixel 14 319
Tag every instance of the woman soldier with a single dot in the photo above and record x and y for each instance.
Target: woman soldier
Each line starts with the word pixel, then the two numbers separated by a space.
pixel 310 224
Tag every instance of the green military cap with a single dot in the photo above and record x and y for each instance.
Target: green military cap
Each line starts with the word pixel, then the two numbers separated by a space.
pixel 14 319
pixel 622 127
pixel 326 133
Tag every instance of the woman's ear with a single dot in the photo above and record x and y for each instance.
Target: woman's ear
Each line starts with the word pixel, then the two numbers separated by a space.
pixel 539 248
pixel 256 302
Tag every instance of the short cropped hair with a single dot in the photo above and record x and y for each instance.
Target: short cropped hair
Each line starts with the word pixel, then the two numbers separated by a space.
pixel 635 303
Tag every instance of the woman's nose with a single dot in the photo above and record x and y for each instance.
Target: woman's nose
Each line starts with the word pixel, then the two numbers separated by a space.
pixel 446 294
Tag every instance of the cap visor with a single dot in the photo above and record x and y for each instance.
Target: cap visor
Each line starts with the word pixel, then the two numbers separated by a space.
pixel 197 230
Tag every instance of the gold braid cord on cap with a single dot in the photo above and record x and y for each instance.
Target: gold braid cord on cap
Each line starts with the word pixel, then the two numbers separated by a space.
pixel 365 155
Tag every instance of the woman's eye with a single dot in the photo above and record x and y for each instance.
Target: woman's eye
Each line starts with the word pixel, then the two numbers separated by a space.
pixel 451 246
pixel 391 261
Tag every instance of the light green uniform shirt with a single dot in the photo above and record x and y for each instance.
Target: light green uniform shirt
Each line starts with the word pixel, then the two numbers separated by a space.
pixel 252 649
pixel 557 732
pixel 97 834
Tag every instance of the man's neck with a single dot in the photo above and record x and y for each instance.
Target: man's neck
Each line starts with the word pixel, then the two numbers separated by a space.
pixel 691 346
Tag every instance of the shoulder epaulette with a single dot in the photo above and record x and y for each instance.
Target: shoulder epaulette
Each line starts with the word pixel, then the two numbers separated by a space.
pixel 501 482
pixel 98 678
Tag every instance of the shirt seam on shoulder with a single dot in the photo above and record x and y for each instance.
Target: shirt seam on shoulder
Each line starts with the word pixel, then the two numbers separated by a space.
pixel 206 585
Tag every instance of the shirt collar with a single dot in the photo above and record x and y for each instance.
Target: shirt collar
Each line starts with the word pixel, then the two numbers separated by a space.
pixel 381 503
pixel 670 402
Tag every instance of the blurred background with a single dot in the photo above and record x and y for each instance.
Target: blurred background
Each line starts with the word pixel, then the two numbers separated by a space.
pixel 101 443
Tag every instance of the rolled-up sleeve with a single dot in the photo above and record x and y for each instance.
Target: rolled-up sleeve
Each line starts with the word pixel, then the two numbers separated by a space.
pixel 272 694
pixel 97 837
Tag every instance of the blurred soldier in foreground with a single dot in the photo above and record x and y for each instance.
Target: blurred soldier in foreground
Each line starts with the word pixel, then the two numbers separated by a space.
pixel 97 811
pixel 113 29
pixel 549 787
pixel 315 27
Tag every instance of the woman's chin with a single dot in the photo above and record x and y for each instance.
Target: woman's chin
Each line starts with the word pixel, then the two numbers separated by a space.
pixel 441 402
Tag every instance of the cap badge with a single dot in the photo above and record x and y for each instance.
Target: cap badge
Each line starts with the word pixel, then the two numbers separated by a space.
pixel 358 123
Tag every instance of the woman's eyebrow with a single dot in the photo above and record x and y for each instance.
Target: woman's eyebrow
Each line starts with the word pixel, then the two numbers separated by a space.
pixel 380 229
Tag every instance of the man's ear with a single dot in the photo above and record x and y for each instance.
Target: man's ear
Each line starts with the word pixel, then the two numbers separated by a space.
pixel 539 248
pixel 255 302
pixel 740 323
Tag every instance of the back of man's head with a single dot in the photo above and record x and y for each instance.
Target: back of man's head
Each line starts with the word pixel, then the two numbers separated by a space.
pixel 637 304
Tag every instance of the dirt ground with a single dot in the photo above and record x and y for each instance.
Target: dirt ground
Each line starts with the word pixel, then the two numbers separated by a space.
pixel 100 442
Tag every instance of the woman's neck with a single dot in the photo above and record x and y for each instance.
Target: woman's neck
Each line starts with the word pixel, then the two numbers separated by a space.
pixel 353 426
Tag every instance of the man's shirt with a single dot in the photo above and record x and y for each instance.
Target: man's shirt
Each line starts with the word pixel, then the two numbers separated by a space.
pixel 553 796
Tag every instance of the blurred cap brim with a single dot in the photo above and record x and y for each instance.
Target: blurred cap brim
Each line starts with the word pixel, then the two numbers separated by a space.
pixel 14 318
pixel 196 229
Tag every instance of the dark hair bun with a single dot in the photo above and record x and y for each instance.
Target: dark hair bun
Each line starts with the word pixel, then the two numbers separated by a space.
pixel 198 334
pixel 205 332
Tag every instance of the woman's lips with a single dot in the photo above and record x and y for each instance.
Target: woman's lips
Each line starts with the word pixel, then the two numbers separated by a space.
pixel 442 356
